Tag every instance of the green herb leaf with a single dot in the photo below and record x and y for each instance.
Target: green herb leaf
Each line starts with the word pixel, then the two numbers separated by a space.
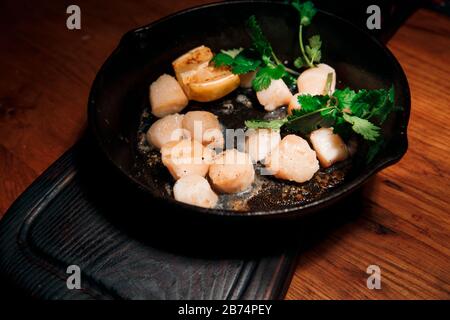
pixel 370 104
pixel 385 105
pixel 223 59
pixel 260 42
pixel 306 11
pixel 345 98
pixel 265 76
pixel 310 103
pixel 313 49
pixel 364 127
pixel 240 64
pixel 300 63
pixel 265 124
pixel 243 64
pixel 261 81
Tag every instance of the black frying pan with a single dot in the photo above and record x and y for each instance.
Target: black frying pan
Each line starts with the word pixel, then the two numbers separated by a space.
pixel 119 97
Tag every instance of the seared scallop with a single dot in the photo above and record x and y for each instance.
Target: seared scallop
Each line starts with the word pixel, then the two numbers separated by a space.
pixel 167 96
pixel 261 142
pixel 195 190
pixel 186 157
pixel 231 171
pixel 329 147
pixel 313 81
pixel 276 95
pixel 213 138
pixel 293 160
pixel 204 127
pixel 167 129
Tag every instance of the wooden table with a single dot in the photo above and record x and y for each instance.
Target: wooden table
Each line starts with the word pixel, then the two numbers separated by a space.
pixel 45 75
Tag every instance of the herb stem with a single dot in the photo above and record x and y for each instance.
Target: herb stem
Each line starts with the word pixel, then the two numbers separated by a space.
pixel 289 70
pixel 293 72
pixel 275 58
pixel 300 38
pixel 313 112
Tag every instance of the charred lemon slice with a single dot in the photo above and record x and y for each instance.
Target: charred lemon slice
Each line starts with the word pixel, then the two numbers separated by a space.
pixel 201 81
pixel 211 83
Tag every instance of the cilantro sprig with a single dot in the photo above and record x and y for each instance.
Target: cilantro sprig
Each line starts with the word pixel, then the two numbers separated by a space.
pixel 273 68
pixel 260 57
pixel 346 110
pixel 311 53
pixel 239 62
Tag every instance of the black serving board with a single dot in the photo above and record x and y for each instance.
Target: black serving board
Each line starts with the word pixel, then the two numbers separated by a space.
pixel 79 213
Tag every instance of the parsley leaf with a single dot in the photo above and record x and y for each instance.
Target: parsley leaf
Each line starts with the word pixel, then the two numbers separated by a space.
pixel 385 106
pixel 310 103
pixel 265 124
pixel 364 127
pixel 239 64
pixel 313 49
pixel 345 98
pixel 243 64
pixel 306 11
pixel 299 62
pixel 265 75
pixel 368 104
pixel 260 42
pixel 223 59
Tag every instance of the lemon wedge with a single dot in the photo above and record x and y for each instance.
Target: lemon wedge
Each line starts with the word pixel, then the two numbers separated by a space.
pixel 201 81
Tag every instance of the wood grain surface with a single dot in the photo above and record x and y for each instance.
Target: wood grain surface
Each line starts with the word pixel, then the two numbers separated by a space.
pixel 403 225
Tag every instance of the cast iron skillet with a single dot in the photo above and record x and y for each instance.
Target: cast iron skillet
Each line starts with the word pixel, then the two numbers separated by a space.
pixel 120 95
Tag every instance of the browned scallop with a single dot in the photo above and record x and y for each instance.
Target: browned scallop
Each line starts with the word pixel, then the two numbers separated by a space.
pixel 167 96
pixel 293 159
pixel 313 80
pixel 167 129
pixel 204 128
pixel 195 190
pixel 231 171
pixel 186 157
pixel 329 147
pixel 276 95
pixel 259 143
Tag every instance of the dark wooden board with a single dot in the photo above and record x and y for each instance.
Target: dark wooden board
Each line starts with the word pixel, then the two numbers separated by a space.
pixel 65 219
